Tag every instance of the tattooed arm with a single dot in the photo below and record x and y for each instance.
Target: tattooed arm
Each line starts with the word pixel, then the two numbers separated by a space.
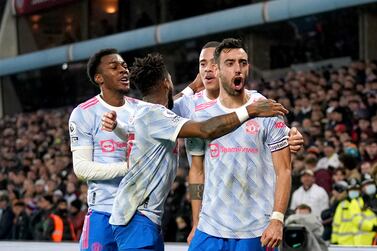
pixel 196 188
pixel 220 125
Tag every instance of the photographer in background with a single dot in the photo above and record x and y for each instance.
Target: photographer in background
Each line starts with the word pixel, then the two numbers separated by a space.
pixel 312 238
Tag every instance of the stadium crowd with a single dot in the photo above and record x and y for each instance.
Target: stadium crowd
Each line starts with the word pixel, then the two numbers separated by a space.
pixel 334 109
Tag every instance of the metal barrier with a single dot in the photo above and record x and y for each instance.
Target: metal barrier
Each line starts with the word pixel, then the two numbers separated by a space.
pixel 50 246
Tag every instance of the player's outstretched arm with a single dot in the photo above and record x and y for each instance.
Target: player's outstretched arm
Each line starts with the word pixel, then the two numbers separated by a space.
pixel 196 187
pixel 221 125
pixel 295 140
pixel 273 234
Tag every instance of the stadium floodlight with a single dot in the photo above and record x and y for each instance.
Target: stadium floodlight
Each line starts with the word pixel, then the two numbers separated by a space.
pixel 64 66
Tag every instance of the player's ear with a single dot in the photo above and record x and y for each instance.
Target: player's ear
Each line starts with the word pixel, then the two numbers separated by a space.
pixel 98 78
pixel 165 83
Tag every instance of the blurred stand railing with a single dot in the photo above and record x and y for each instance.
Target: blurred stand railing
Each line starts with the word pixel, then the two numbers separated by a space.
pixel 49 246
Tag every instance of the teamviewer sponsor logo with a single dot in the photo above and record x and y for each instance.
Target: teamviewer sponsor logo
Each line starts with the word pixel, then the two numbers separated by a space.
pixel 110 145
pixel 239 149
pixel 107 146
pixel 214 150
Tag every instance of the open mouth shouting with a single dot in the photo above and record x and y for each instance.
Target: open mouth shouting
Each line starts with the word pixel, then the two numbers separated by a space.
pixel 124 80
pixel 238 83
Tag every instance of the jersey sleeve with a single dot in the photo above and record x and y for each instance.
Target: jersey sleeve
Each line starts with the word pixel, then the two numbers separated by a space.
pixel 163 124
pixel 195 146
pixel 277 134
pixel 80 131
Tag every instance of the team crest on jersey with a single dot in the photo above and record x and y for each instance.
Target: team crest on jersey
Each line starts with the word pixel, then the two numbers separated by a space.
pixel 214 150
pixel 252 127
pixel 72 128
pixel 169 114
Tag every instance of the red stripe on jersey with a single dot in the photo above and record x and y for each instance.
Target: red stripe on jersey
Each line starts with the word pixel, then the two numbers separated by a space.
pixel 90 105
pixel 205 105
pixel 88 101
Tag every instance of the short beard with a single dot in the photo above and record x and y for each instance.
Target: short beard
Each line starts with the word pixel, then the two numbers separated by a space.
pixel 123 92
pixel 229 90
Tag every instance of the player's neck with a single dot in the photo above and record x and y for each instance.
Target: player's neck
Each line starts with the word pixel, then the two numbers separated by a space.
pixel 156 99
pixel 212 94
pixel 233 101
pixel 113 99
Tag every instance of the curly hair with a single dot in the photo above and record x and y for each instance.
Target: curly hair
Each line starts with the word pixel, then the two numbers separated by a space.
pixel 95 60
pixel 147 72
pixel 227 43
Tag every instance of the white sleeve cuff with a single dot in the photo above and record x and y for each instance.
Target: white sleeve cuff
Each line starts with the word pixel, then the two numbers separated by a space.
pixel 85 168
pixel 187 91
pixel 121 130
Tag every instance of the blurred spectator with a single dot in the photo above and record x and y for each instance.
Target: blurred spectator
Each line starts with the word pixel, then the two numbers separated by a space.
pixel 3 179
pixel 77 216
pixel 350 165
pixel 57 195
pixel 70 192
pixel 331 159
pixel 44 224
pixel 305 108
pixel 371 150
pixel 339 175
pixel 6 217
pixel 311 194
pixel 322 176
pixel 40 187
pixel 69 233
pixel 298 165
pixel 366 168
pixel 21 222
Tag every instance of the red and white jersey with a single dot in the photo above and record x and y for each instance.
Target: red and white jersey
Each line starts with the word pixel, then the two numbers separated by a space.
pixel 239 174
